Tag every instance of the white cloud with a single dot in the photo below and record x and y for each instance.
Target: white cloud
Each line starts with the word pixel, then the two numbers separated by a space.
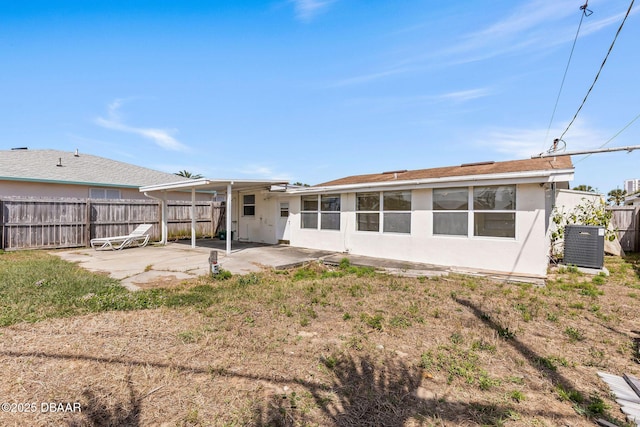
pixel 261 171
pixel 524 143
pixel 306 10
pixel 161 137
pixel 365 78
pixel 465 95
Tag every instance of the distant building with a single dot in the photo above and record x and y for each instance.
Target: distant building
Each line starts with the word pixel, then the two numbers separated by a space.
pixel 632 185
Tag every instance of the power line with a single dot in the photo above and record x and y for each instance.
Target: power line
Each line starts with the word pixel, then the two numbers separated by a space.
pixel 585 12
pixel 600 70
pixel 613 137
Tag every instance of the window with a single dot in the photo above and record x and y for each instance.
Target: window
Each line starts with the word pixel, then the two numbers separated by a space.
pixel 449 220
pixel 249 205
pixel 309 213
pixel 493 211
pixel 395 211
pixel 396 206
pixel 326 207
pixel 284 210
pixel 103 193
pixel 330 212
pixel 368 211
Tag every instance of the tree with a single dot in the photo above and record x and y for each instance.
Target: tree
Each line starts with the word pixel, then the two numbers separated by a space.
pixel 187 174
pixel 585 188
pixel 616 197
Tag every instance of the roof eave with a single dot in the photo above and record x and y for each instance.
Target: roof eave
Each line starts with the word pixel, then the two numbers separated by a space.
pixel 207 182
pixel 56 181
pixel 556 175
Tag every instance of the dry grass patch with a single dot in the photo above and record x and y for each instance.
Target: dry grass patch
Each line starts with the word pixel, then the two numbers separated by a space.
pixel 335 346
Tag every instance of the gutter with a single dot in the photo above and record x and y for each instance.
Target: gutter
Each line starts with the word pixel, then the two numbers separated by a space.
pixel 534 177
pixel 55 181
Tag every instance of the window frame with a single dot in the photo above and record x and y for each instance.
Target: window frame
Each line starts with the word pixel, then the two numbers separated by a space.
pixel 475 229
pixel 251 205
pixel 382 214
pixel 318 210
pixel 463 208
pixel 105 191
pixel 492 211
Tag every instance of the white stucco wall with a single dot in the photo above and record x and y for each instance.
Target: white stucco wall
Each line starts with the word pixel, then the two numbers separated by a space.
pixel 261 227
pixel 526 254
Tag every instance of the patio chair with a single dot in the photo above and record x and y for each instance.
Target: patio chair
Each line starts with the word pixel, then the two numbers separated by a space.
pixel 138 237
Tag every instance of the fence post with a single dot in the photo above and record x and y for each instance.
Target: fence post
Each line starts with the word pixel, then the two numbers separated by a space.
pixel 2 219
pixel 87 231
pixel 637 236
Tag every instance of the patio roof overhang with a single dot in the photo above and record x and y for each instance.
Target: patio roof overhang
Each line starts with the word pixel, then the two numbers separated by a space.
pixel 220 186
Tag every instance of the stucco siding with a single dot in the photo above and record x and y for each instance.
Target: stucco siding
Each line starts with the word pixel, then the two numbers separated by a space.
pixel 525 254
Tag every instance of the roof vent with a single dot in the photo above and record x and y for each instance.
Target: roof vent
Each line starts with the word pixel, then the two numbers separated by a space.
pixel 464 165
pixel 76 154
pixel 59 162
pixel 19 148
pixel 394 172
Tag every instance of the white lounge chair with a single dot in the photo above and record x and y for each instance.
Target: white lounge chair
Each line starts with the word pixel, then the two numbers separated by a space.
pixel 138 237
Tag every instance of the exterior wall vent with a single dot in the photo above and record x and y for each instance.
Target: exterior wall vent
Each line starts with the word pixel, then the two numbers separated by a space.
pixel 584 246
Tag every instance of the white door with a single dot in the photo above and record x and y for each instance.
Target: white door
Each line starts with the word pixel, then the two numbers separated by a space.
pixel 282 227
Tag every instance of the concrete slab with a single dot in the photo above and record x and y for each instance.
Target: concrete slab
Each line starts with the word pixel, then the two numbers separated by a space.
pixel 177 261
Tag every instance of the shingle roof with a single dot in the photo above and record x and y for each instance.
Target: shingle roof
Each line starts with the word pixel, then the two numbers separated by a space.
pixel 484 168
pixel 41 166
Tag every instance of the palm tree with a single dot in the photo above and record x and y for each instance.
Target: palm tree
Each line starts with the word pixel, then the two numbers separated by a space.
pixel 187 174
pixel 616 196
pixel 585 188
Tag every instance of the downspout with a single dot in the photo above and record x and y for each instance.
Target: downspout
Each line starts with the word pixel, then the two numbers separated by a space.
pixel 163 220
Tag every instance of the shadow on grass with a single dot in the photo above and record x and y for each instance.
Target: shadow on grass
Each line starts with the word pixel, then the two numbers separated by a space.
pixel 361 393
pixel 96 410
pixel 389 393
pixel 588 406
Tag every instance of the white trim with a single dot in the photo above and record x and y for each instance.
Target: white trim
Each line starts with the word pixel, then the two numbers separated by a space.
pixel 202 183
pixel 559 175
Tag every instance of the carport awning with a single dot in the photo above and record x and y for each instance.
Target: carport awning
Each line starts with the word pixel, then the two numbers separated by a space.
pixel 225 186
pixel 219 185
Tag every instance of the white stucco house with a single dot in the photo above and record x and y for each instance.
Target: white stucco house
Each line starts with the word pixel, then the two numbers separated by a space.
pixel 632 200
pixel 489 216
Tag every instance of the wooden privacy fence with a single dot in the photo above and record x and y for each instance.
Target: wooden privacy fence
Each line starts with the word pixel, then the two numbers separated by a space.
pixel 67 223
pixel 626 219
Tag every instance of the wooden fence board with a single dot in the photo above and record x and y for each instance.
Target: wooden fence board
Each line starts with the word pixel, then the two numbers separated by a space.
pixel 63 223
pixel 42 223
pixel 626 219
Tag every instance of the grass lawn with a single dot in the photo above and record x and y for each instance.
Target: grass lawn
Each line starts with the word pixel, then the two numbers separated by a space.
pixel 316 345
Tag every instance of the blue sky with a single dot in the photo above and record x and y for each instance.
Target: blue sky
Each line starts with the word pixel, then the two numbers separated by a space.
pixel 313 90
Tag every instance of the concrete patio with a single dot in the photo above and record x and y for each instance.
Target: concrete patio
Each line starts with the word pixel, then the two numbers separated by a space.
pixel 177 261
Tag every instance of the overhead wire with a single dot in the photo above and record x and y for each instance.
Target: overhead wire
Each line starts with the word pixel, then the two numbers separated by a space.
pixel 585 12
pixel 612 138
pixel 600 70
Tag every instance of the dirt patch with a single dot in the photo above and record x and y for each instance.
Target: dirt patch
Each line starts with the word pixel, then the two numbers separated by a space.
pixel 321 348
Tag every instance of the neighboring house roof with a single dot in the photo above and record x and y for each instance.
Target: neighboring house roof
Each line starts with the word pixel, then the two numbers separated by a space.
pixel 83 169
pixel 549 164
